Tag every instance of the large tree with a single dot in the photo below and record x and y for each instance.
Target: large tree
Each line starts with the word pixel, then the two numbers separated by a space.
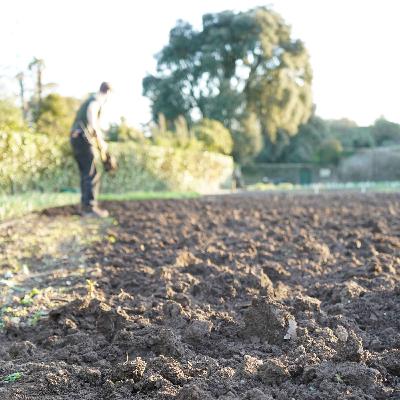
pixel 238 64
pixel 302 148
pixel 38 65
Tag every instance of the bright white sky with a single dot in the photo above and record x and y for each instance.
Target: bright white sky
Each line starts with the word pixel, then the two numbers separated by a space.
pixel 354 47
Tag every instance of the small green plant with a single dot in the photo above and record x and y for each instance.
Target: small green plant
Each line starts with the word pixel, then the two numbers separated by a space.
pixel 12 377
pixel 28 298
pixel 36 317
pixel 34 292
pixel 338 378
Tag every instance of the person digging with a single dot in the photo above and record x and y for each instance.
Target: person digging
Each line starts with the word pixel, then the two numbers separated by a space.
pixel 86 138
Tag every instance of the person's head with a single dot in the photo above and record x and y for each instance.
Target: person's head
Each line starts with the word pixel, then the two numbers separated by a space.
pixel 103 93
pixel 105 88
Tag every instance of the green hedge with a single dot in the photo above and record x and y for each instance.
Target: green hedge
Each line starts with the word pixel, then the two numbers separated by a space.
pixel 32 161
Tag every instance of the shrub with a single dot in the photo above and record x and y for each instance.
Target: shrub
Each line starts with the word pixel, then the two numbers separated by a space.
pixel 214 135
pixel 56 114
pixel 152 167
pixel 10 117
pixel 177 136
pixel 330 151
pixel 35 161
pixel 122 132
pixel 31 161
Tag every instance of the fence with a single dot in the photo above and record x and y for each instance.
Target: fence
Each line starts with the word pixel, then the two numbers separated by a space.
pixel 302 174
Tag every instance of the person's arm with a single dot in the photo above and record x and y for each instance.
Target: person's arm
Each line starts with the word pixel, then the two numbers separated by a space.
pixel 94 126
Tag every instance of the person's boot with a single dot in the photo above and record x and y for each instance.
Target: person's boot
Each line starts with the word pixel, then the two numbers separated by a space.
pixel 94 211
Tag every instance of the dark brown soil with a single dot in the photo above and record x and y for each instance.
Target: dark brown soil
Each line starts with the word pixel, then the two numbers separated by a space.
pixel 240 297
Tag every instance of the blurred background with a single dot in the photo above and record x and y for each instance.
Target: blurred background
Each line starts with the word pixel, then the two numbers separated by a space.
pixel 207 96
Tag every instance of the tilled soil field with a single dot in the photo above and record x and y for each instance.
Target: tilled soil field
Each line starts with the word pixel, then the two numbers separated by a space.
pixel 239 297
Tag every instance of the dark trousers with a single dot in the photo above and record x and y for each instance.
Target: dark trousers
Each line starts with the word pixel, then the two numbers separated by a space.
pixel 90 177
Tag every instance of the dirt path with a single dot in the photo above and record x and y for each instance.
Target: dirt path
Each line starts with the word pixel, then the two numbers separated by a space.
pixel 244 297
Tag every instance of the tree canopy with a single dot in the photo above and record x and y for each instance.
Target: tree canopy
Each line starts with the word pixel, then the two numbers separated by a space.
pixel 386 132
pixel 238 64
pixel 301 148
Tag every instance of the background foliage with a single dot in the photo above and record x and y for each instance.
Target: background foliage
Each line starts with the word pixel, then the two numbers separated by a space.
pixel 238 87
pixel 32 161
pixel 55 115
pixel 240 69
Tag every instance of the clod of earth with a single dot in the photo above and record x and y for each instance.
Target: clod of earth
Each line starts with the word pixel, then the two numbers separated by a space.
pixel 269 320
